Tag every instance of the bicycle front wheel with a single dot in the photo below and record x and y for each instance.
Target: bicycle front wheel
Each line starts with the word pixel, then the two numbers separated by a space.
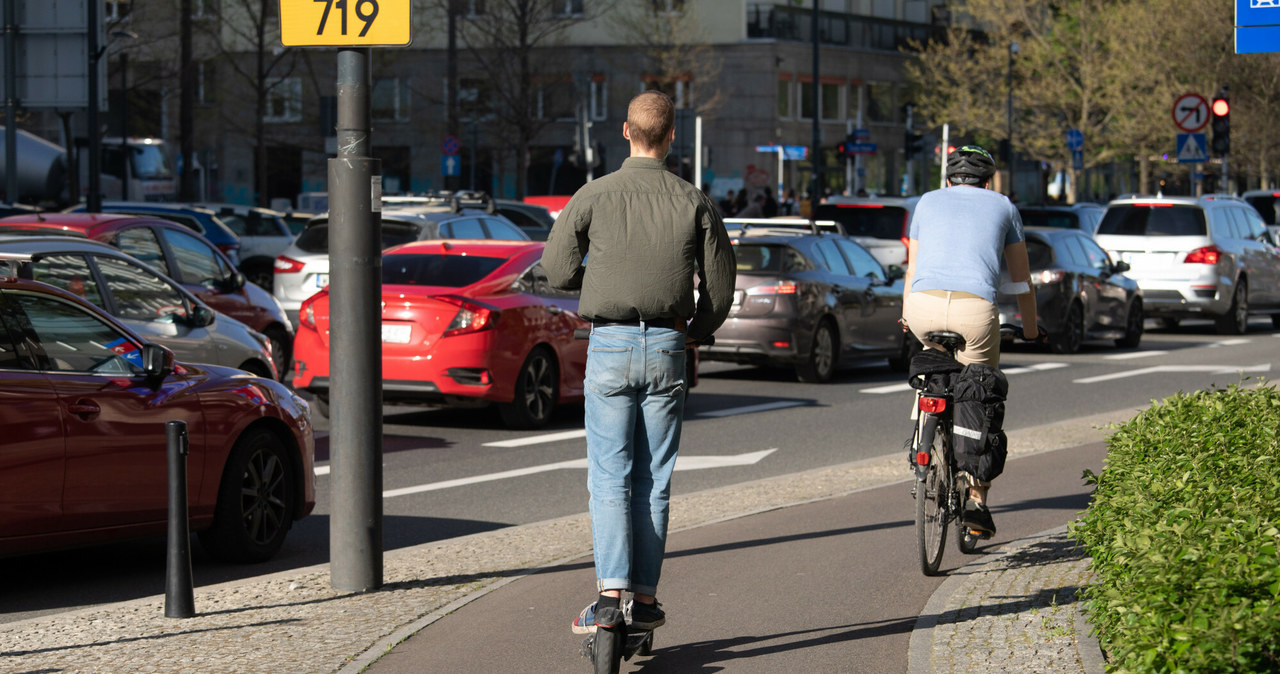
pixel 932 493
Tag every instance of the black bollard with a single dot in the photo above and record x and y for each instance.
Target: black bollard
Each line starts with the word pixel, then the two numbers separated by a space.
pixel 179 595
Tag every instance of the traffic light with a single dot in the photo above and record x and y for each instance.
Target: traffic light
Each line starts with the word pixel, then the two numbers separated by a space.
pixel 1221 112
pixel 842 151
pixel 913 145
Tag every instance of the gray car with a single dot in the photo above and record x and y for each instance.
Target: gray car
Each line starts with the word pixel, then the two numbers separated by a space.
pixel 153 305
pixel 1208 257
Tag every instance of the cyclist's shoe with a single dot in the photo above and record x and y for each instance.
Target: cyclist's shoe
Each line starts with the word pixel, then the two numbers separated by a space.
pixel 589 619
pixel 646 616
pixel 978 517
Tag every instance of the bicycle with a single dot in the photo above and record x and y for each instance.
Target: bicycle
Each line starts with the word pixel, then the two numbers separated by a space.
pixel 939 490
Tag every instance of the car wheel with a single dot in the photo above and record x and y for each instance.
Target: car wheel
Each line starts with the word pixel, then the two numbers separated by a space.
pixel 1072 335
pixel 821 363
pixel 261 275
pixel 1236 320
pixel 1132 327
pixel 910 347
pixel 256 501
pixel 1169 323
pixel 256 368
pixel 537 390
pixel 1275 321
pixel 281 349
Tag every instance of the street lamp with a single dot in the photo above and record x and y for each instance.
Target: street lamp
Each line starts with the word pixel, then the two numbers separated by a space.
pixel 1008 158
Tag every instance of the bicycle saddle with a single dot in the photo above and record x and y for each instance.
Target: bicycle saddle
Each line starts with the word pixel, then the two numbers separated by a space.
pixel 951 341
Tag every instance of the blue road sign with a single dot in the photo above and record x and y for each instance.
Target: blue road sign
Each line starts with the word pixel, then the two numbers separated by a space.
pixel 450 165
pixel 768 148
pixel 1191 148
pixel 795 152
pixel 862 148
pixel 1075 139
pixel 1257 26
pixel 861 134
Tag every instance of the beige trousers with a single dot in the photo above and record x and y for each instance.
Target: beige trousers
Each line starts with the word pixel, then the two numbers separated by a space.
pixel 973 317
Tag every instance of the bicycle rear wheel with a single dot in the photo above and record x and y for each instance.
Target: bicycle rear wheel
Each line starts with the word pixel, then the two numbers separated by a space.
pixel 932 493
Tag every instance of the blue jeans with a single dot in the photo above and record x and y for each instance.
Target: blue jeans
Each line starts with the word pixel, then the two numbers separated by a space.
pixel 634 405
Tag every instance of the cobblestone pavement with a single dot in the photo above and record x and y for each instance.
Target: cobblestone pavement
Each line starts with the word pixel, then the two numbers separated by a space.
pixel 294 621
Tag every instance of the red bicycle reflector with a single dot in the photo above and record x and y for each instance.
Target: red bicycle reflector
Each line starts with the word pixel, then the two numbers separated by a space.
pixel 922 458
pixel 932 405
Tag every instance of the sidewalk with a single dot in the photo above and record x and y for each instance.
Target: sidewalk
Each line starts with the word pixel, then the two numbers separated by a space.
pixel 295 622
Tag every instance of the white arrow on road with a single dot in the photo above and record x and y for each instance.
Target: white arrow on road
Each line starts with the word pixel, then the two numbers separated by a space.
pixel 1212 369
pixel 682 463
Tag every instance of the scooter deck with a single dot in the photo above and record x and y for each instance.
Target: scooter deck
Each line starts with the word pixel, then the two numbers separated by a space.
pixel 638 642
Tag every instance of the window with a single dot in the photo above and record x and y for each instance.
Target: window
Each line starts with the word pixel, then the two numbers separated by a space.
pixel 205 77
pixel 114 10
pixel 1094 254
pixel 880 102
pixel 831 255
pixel 139 294
pixel 202 8
pixel 284 100
pixel 599 97
pixel 784 99
pixel 830 101
pixel 501 229
pixel 390 99
pixel 556 101
pixel 473 99
pixel 808 106
pixel 470 8
pixel 864 264
pixel 197 263
pixel 464 228
pixel 141 243
pixel 534 281
pixel 76 341
pixel 677 89
pixel 566 8
pixel 449 271
pixel 71 273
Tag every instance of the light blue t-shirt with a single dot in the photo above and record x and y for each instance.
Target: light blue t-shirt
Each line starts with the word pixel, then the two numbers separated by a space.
pixel 961 232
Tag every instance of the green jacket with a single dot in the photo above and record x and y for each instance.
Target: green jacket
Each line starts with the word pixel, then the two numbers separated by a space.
pixel 648 234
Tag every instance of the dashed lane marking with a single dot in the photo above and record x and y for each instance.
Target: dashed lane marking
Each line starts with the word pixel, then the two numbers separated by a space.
pixel 1212 369
pixel 1038 367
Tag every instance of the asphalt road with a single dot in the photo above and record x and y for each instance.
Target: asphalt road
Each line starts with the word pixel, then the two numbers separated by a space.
pixel 443 468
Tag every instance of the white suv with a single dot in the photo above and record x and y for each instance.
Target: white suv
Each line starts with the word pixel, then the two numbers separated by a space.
pixel 1207 257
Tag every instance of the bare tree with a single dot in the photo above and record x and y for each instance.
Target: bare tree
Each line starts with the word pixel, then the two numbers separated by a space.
pixel 674 47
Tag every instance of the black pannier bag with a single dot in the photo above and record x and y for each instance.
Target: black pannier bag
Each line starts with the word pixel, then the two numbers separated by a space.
pixel 931 371
pixel 978 421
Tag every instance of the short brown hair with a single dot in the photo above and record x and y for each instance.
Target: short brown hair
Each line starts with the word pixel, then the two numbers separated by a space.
pixel 650 117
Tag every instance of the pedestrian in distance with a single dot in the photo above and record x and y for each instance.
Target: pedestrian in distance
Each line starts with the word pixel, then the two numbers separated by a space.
pixel 770 204
pixel 789 206
pixel 727 205
pixel 955 241
pixel 649 234
pixel 755 209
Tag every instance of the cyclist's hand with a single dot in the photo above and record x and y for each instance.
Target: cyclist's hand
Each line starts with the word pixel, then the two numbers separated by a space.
pixel 1041 338
pixel 903 323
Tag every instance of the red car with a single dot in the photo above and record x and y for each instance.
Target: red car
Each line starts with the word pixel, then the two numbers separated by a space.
pixel 183 255
pixel 83 407
pixel 464 323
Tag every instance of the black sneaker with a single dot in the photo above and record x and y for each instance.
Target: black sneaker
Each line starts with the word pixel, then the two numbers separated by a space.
pixel 646 616
pixel 978 517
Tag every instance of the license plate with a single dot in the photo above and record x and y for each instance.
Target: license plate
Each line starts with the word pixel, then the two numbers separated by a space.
pixel 1137 260
pixel 396 333
pixel 322 280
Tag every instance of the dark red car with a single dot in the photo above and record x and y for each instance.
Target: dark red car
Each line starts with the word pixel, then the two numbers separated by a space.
pixel 83 407
pixel 463 323
pixel 183 255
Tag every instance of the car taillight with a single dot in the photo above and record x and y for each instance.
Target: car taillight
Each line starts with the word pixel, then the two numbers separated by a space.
pixel 779 288
pixel 307 312
pixel 471 316
pixel 287 265
pixel 1206 255
pixel 932 405
pixel 1049 276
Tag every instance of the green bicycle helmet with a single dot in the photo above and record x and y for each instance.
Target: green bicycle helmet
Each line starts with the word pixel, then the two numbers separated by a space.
pixel 970 165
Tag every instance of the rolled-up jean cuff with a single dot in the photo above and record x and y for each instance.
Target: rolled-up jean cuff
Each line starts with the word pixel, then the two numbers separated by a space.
pixel 612 584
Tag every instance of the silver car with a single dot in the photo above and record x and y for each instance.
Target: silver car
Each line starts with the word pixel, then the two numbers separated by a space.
pixel 153 305
pixel 1207 257
pixel 263 233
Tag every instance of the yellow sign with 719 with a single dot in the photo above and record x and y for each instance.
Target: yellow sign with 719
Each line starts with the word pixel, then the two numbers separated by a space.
pixel 363 23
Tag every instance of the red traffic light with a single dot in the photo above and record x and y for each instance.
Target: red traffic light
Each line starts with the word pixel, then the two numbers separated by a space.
pixel 1221 107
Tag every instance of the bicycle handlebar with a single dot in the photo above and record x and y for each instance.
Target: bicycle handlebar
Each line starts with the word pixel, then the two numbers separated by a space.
pixel 1015 331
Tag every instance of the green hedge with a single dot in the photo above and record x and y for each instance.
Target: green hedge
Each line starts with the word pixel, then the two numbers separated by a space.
pixel 1184 539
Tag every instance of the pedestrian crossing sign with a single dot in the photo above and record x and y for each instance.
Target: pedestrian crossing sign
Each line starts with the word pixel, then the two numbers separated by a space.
pixel 1191 148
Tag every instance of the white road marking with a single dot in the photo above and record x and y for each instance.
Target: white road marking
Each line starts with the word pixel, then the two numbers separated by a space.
pixel 762 407
pixel 1135 354
pixel 322 470
pixel 1212 369
pixel 539 439
pixel 1038 367
pixel 682 463
pixel 1227 342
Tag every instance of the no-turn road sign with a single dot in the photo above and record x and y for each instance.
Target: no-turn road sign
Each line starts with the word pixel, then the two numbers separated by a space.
pixel 1190 112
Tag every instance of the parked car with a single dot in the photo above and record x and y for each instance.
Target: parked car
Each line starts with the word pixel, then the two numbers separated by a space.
pixel 554 203
pixel 1208 257
pixel 1084 216
pixel 150 303
pixel 464 323
pixel 811 301
pixel 263 234
pixel 86 405
pixel 1081 294
pixel 1264 201
pixel 879 224
pixel 184 256
pixel 203 220
pixel 533 219
pixel 461 215
pixel 303 268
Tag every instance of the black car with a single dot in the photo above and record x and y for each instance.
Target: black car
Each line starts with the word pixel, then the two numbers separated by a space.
pixel 1083 216
pixel 1081 294
pixel 810 301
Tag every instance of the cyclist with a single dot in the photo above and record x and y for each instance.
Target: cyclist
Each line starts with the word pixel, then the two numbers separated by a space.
pixel 955 241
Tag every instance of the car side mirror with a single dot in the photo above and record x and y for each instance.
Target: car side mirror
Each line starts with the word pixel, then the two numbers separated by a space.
pixel 234 282
pixel 1120 267
pixel 896 272
pixel 200 316
pixel 157 361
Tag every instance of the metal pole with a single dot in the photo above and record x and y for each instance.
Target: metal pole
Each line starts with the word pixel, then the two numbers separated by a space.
pixel 179 595
pixel 355 198
pixel 10 102
pixel 93 203
pixel 125 155
pixel 816 159
pixel 697 153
